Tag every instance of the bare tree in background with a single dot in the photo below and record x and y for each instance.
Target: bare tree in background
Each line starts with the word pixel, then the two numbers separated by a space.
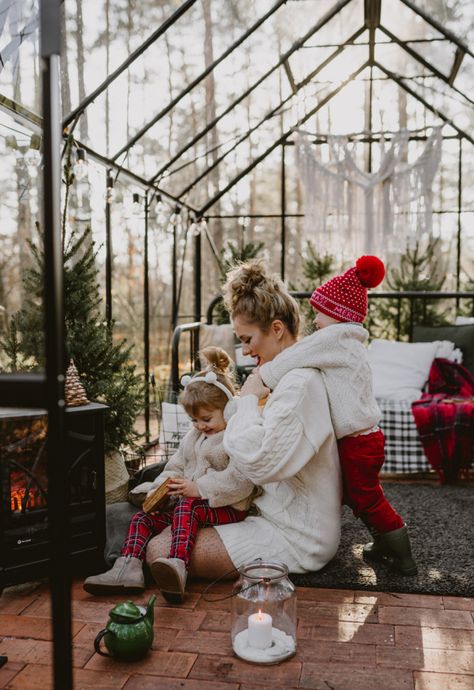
pixel 212 138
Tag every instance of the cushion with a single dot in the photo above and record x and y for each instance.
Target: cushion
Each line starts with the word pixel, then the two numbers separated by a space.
pixel 400 370
pixel 461 336
pixel 219 336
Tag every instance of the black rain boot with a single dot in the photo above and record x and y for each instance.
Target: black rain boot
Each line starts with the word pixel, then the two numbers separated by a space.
pixel 393 549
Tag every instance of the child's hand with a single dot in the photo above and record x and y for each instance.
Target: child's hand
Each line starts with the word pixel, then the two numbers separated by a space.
pixel 183 487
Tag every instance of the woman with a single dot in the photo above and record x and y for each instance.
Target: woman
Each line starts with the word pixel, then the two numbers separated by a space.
pixel 287 447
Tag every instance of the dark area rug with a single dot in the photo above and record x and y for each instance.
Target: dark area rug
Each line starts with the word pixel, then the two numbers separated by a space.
pixel 440 520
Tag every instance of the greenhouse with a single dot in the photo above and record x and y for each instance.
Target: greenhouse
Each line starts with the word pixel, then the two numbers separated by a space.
pixel 191 188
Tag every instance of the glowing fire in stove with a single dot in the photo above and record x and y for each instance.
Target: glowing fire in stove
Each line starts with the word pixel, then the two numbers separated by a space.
pixel 34 500
pixel 25 493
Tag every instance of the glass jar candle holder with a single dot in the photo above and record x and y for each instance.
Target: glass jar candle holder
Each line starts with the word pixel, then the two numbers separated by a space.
pixel 264 613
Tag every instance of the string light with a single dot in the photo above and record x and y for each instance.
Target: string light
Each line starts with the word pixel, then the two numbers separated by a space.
pixel 80 166
pixel 136 204
pixel 160 211
pixel 32 155
pixel 110 193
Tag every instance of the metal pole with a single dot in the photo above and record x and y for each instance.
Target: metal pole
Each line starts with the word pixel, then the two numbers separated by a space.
pixel 58 494
pixel 174 277
pixel 459 233
pixel 370 118
pixel 283 212
pixel 197 275
pixel 108 248
pixel 146 321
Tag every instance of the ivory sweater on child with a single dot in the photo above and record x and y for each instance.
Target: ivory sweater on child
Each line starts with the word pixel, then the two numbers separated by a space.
pixel 339 352
pixel 288 449
pixel 203 460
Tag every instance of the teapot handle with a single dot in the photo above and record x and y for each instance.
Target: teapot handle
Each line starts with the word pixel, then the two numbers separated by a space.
pixel 98 639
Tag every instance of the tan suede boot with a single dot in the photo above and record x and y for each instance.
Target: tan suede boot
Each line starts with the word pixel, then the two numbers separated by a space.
pixel 125 575
pixel 170 575
pixel 392 548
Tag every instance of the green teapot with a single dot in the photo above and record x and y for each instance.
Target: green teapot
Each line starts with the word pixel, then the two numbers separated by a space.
pixel 128 634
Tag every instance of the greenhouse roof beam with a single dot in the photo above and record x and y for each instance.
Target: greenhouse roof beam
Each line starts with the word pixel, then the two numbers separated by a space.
pixel 425 63
pixel 280 140
pixel 458 58
pixel 396 78
pixel 436 25
pixel 141 181
pixel 131 58
pixel 298 44
pixel 273 111
pixel 198 79
pixel 372 9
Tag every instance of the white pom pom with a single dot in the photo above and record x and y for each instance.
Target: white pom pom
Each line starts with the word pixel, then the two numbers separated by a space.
pixel 210 377
pixel 185 380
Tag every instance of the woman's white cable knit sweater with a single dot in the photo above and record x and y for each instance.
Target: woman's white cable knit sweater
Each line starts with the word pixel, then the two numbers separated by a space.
pixel 340 353
pixel 290 450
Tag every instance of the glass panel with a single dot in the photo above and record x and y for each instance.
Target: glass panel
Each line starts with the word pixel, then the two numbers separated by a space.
pixel 19 64
pixel 405 23
pixel 20 212
pixel 440 54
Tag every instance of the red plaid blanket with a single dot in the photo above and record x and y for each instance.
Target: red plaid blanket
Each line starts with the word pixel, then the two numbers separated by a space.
pixel 444 418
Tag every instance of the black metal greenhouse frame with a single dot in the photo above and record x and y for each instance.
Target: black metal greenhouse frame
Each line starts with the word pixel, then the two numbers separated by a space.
pixel 47 391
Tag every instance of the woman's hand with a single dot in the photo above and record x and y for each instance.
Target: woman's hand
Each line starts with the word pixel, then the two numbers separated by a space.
pixel 183 487
pixel 255 386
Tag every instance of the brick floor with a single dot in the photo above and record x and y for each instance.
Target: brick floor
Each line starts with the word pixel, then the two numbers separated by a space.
pixel 347 640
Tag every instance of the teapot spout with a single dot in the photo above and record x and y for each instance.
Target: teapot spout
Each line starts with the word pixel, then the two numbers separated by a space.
pixel 150 613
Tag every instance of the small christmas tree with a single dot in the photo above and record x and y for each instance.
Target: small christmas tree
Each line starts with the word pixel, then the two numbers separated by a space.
pixel 74 393
pixel 106 371
pixel 232 255
pixel 317 268
pixel 418 271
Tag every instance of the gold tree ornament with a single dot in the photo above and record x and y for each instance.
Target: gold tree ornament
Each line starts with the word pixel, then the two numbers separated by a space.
pixel 74 392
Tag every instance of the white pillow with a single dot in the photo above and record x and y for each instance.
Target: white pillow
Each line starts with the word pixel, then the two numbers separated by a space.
pixel 400 370
pixel 174 425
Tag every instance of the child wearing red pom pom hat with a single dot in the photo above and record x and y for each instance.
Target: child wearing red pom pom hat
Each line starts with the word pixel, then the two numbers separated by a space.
pixel 338 350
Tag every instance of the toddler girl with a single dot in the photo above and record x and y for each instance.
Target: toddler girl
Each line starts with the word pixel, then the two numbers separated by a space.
pixel 209 490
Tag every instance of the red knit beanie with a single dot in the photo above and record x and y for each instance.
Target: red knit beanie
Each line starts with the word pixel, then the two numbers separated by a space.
pixel 345 297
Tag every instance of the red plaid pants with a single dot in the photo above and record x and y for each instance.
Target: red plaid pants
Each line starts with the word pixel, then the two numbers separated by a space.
pixel 361 459
pixel 185 519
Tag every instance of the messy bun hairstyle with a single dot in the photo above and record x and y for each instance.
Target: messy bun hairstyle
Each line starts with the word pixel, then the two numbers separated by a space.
pixel 260 297
pixel 207 395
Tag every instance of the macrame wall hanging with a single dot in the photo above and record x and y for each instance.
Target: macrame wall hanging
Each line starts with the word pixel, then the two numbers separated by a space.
pixel 349 212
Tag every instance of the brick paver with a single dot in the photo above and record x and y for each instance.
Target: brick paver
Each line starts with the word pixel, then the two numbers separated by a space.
pixel 347 640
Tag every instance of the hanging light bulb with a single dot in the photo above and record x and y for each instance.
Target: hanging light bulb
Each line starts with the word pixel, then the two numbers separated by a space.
pixel 80 166
pixel 160 211
pixel 159 205
pixel 109 192
pixel 32 156
pixel 194 228
pixel 136 204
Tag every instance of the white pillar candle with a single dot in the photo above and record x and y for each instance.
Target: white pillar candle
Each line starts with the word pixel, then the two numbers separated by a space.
pixel 260 630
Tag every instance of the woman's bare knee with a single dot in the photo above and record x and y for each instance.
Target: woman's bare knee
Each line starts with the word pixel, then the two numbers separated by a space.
pixel 209 558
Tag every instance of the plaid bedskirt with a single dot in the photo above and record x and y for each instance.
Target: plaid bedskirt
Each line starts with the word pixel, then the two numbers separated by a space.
pixel 403 449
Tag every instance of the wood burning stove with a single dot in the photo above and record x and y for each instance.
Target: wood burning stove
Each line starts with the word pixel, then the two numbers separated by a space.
pixel 24 538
